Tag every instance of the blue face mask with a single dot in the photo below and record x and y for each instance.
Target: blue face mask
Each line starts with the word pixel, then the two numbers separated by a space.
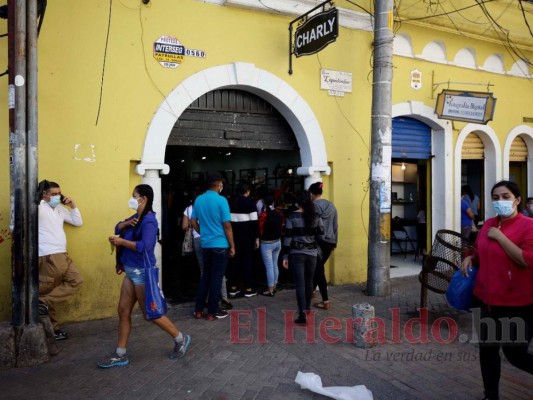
pixel 54 201
pixel 504 208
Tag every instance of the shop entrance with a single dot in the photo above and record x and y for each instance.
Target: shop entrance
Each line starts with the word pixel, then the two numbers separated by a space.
pixel 243 137
pixel 410 197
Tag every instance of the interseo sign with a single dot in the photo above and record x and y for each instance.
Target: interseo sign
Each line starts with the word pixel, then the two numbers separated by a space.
pixel 316 33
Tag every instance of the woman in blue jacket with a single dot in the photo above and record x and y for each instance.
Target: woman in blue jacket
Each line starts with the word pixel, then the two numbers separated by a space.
pixel 138 237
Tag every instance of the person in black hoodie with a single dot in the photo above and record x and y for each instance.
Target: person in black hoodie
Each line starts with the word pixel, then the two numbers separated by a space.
pixel 244 222
pixel 270 229
pixel 327 242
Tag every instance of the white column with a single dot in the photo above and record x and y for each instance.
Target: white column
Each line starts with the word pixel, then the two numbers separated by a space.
pixel 313 174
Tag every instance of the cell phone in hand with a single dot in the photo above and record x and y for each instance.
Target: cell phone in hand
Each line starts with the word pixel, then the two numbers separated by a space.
pixel 62 199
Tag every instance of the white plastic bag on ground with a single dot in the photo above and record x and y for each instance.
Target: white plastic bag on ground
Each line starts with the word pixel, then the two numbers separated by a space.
pixel 308 380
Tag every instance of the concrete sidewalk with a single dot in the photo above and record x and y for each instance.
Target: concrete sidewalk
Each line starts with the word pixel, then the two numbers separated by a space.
pixel 221 365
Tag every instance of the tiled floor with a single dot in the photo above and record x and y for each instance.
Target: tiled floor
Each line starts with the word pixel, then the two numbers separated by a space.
pixel 407 266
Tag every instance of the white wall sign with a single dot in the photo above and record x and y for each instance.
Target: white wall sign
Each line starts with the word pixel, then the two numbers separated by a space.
pixel 416 79
pixel 338 81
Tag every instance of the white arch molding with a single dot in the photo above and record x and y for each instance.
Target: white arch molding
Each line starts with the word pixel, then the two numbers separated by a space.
pixel 526 133
pixel 492 166
pixel 244 76
pixel 441 143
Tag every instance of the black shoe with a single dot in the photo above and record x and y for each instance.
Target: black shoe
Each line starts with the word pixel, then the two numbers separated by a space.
pixel 218 315
pixel 42 308
pixel 250 293
pixel 234 294
pixel 226 304
pixel 60 335
pixel 301 320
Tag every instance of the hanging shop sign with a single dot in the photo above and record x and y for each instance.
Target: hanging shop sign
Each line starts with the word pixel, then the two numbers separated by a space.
pixel 313 32
pixel 457 105
pixel 170 53
pixel 336 82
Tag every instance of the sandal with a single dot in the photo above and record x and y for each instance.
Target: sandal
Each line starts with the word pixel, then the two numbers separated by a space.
pixel 267 293
pixel 322 305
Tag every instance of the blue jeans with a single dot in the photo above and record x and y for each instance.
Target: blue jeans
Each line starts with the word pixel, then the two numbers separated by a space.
pixel 270 254
pixel 303 270
pixel 215 261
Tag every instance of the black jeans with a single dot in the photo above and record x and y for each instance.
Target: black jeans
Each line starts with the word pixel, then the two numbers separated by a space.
pixel 303 269
pixel 319 278
pixel 508 328
pixel 215 262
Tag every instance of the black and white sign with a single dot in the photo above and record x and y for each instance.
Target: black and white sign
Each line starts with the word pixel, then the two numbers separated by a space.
pixel 316 33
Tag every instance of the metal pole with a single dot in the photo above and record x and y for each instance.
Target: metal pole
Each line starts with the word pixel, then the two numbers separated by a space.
pixel 378 283
pixel 32 165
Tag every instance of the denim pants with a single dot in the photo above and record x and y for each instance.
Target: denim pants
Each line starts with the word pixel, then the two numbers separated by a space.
pixel 303 269
pixel 215 261
pixel 270 253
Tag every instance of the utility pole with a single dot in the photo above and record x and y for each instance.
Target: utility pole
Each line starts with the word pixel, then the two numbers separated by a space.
pixel 378 282
pixel 29 342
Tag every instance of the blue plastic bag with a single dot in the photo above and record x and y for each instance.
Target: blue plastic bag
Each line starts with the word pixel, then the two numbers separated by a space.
pixel 459 292
pixel 155 303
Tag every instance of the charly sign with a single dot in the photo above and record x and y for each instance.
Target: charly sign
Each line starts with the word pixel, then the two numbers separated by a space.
pixel 457 105
pixel 316 33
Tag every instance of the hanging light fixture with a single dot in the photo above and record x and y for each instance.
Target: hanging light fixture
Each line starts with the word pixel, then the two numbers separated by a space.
pixel 403 166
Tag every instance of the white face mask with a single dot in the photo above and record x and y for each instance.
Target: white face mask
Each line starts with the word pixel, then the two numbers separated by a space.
pixel 133 203
pixel 504 208
pixel 221 187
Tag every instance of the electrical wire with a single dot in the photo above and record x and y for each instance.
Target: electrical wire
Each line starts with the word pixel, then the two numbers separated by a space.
pixel 446 13
pixel 367 182
pixel 103 66
pixel 525 18
pixel 170 111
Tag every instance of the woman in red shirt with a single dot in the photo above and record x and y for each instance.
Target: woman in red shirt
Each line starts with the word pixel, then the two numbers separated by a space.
pixel 503 293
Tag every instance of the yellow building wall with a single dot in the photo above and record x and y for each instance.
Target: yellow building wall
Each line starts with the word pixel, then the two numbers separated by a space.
pixel 90 145
pixel 89 153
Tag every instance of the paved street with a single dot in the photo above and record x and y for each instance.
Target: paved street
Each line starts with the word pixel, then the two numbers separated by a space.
pixel 221 365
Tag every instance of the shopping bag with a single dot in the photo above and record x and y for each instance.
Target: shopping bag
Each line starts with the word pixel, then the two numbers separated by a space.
pixel 459 292
pixel 155 303
pixel 188 245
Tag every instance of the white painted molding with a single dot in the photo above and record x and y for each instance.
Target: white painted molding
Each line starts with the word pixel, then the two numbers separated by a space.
pixel 526 133
pixel 492 166
pixel 293 8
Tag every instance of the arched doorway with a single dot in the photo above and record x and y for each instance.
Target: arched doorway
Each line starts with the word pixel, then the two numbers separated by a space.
pixel 512 151
pixel 487 143
pixel 238 134
pixel 244 76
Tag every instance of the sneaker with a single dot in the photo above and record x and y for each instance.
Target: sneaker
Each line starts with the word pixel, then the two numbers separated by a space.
pixel 114 360
pixel 250 293
pixel 60 335
pixel 218 315
pixel 181 348
pixel 198 315
pixel 42 308
pixel 234 294
pixel 226 304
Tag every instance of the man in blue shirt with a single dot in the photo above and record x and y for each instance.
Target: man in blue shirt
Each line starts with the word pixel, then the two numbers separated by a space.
pixel 211 213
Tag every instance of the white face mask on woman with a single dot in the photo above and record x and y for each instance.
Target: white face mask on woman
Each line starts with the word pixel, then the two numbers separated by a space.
pixel 133 203
pixel 504 208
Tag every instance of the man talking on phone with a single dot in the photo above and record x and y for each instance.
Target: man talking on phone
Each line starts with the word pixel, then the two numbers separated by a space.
pixel 58 277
